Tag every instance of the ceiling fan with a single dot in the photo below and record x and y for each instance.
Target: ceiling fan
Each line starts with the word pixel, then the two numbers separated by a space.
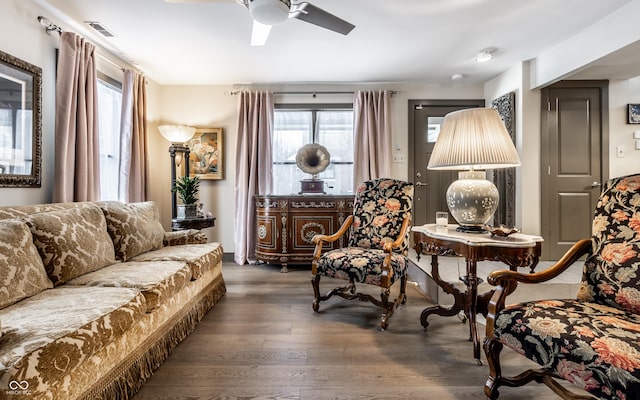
pixel 266 13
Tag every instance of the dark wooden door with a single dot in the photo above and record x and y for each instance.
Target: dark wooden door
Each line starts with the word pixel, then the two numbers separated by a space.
pixel 425 118
pixel 572 158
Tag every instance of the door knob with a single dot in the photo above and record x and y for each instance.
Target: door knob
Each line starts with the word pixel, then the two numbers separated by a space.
pixel 421 184
pixel 595 184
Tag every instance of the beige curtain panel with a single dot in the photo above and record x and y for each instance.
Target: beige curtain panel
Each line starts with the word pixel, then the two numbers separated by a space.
pixel 134 158
pixel 77 161
pixel 372 135
pixel 253 167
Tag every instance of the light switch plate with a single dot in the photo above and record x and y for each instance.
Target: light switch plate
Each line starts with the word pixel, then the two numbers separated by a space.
pixel 638 144
pixel 636 135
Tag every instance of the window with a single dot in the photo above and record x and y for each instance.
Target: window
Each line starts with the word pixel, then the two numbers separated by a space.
pixel 109 111
pixel 330 126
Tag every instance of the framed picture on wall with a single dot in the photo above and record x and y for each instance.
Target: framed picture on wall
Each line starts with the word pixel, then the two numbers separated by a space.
pixel 206 156
pixel 633 113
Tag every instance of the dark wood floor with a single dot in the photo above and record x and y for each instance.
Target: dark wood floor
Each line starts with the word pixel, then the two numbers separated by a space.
pixel 263 341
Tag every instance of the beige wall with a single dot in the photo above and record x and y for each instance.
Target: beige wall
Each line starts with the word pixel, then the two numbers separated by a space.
pixel 620 133
pixel 24 38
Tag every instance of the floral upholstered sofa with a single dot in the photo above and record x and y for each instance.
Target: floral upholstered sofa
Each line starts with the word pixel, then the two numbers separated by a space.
pixel 94 296
pixel 592 341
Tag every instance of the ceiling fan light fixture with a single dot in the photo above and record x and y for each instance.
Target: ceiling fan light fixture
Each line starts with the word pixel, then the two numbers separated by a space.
pixel 269 12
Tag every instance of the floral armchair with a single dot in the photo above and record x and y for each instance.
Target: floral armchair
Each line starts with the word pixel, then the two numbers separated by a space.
pixel 377 247
pixel 592 341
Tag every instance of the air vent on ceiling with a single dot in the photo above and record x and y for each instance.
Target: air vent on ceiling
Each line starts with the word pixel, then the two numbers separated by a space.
pixel 100 28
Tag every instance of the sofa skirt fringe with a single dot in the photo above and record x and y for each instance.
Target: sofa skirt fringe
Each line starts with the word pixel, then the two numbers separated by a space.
pixel 138 368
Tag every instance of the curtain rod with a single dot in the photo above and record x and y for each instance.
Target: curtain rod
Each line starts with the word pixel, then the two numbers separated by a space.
pixel 313 93
pixel 51 27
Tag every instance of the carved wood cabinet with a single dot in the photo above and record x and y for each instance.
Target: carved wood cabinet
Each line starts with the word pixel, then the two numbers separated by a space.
pixel 286 224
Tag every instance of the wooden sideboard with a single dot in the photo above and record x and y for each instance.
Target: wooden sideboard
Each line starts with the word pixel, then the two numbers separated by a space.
pixel 286 224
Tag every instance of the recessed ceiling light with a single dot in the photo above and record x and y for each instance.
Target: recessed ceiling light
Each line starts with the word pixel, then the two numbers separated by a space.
pixel 456 77
pixel 483 56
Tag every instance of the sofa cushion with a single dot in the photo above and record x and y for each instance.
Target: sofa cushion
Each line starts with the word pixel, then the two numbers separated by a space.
pixel 594 346
pixel 157 281
pixel 185 236
pixel 199 257
pixel 47 335
pixel 134 228
pixel 71 242
pixel 22 273
pixel 360 265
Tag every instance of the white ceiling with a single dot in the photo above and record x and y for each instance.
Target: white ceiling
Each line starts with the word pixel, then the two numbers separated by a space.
pixel 408 41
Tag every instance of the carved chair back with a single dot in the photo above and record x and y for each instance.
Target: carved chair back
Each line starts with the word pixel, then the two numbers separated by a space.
pixel 612 271
pixel 379 208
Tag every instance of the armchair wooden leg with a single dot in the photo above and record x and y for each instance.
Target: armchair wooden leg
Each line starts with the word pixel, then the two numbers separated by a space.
pixel 315 282
pixel 387 309
pixel 492 349
pixel 403 289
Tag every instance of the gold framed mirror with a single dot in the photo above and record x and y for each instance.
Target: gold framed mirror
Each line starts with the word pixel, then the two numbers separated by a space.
pixel 20 122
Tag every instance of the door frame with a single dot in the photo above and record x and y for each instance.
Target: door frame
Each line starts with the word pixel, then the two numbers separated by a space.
pixel 448 103
pixel 603 87
pixel 432 103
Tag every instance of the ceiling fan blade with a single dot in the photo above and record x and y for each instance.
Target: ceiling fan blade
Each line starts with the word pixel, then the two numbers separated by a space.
pixel 317 16
pixel 259 33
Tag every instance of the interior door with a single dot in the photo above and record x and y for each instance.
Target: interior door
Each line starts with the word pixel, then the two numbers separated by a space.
pixel 425 118
pixel 573 163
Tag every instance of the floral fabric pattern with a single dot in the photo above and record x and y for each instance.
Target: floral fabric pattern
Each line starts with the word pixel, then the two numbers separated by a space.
pixel 612 272
pixel 50 334
pixel 157 281
pixel 199 257
pixel 134 228
pixel 594 341
pixel 360 265
pixel 71 242
pixel 187 236
pixel 594 346
pixel 22 273
pixel 379 208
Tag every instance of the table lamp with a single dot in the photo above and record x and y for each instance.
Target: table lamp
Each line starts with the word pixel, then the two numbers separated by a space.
pixel 473 140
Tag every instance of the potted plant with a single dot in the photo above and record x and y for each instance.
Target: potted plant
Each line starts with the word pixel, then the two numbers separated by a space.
pixel 186 188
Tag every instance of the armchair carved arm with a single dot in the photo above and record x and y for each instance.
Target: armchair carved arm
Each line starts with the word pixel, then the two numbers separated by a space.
pixel 506 280
pixel 319 240
pixel 389 247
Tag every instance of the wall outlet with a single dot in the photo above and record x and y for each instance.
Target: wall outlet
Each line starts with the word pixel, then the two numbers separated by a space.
pixel 398 158
pixel 620 151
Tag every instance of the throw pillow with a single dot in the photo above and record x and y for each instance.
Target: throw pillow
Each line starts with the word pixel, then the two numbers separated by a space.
pixel 22 274
pixel 72 242
pixel 134 228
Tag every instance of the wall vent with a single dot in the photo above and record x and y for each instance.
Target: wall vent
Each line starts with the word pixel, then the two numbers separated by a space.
pixel 100 28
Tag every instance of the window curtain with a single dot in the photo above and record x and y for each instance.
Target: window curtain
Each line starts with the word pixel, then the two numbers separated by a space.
pixel 372 135
pixel 77 161
pixel 134 163
pixel 253 168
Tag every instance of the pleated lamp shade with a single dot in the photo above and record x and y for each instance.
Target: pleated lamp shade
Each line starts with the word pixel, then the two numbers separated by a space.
pixel 474 138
